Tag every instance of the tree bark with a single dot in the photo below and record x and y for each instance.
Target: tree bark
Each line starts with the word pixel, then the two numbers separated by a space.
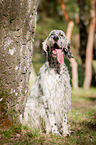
pixel 18 24
pixel 64 11
pixel 89 49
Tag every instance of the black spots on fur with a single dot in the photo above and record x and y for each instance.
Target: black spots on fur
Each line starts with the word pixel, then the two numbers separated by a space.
pixel 65 116
pixel 63 68
pixel 68 46
pixel 47 113
pixel 65 51
pixel 40 89
pixel 53 63
pixel 47 48
pixel 61 34
pixel 44 54
pixel 58 71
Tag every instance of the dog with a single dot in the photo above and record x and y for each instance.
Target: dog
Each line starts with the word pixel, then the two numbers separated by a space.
pixel 50 96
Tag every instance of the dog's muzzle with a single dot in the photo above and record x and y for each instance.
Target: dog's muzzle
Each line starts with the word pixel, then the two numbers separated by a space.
pixel 56 38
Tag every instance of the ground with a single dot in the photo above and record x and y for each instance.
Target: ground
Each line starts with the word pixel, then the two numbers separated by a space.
pixel 82 121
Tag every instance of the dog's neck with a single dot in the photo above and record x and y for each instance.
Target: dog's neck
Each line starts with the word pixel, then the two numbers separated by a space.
pixel 54 64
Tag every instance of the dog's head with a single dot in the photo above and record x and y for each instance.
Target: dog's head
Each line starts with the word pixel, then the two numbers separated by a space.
pixel 56 45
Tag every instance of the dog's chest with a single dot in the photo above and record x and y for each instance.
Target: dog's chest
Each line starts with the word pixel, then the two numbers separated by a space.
pixel 52 82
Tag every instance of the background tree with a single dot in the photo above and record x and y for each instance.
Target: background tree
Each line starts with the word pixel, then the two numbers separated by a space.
pixel 17 29
pixel 89 48
pixel 83 23
pixel 72 60
pixel 49 7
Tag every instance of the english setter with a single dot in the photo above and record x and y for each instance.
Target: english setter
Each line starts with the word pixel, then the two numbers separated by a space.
pixel 50 96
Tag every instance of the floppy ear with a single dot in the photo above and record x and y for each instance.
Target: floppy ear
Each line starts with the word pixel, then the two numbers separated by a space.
pixel 68 46
pixel 45 47
pixel 67 51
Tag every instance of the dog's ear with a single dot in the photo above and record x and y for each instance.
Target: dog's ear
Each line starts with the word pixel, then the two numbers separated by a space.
pixel 67 51
pixel 69 54
pixel 45 47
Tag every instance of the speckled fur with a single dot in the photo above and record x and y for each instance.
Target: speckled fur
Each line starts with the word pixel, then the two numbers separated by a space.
pixel 50 97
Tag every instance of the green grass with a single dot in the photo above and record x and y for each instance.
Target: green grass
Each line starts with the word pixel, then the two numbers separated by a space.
pixel 82 121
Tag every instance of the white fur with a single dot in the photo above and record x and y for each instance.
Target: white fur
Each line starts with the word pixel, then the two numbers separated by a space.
pixel 49 101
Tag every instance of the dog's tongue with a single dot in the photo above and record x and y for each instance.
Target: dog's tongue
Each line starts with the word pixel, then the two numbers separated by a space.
pixel 60 56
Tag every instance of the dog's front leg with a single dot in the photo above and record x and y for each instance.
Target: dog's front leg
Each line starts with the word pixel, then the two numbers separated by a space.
pixel 53 123
pixel 46 115
pixel 65 126
pixel 47 124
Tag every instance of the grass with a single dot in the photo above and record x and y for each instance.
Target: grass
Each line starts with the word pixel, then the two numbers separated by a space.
pixel 82 121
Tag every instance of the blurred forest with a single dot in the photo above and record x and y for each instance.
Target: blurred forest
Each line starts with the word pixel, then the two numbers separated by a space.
pixel 57 15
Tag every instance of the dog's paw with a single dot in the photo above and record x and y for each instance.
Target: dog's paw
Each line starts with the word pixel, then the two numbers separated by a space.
pixel 66 134
pixel 55 130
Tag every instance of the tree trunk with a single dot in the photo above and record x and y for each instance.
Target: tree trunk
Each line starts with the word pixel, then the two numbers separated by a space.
pixel 18 24
pixel 64 11
pixel 89 49
pixel 82 28
pixel 72 60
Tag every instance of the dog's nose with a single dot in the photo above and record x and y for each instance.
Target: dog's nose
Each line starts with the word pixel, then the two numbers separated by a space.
pixel 55 37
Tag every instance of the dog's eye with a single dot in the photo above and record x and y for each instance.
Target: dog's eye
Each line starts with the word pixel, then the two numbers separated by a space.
pixel 51 34
pixel 61 35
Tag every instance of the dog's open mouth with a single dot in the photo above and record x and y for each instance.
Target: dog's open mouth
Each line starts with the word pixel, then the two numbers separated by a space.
pixel 57 53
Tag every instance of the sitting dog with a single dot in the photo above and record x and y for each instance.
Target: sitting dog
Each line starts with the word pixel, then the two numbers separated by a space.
pixel 50 96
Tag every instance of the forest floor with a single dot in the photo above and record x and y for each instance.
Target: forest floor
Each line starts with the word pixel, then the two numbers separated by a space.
pixel 82 121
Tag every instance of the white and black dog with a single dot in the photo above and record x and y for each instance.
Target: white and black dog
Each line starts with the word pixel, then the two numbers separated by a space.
pixel 50 96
